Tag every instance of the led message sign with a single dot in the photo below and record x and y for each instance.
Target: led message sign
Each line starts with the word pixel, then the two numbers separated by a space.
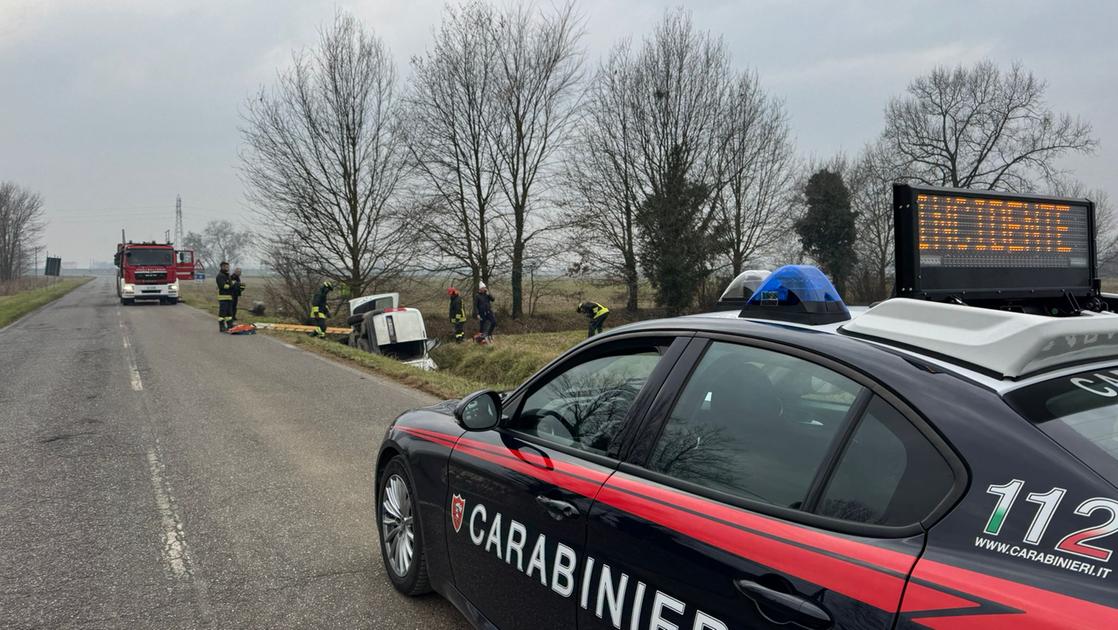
pixel 988 245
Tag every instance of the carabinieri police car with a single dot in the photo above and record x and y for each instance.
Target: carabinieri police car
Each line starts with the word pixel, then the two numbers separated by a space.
pixel 947 458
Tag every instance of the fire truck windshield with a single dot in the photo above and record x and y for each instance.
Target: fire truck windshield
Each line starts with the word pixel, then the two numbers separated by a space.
pixel 156 257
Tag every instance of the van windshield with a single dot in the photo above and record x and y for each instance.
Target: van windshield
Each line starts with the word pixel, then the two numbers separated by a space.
pixel 1080 412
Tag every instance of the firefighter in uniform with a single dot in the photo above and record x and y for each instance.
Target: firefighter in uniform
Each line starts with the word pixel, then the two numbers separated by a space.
pixel 597 315
pixel 238 290
pixel 320 310
pixel 483 307
pixel 224 298
pixel 457 314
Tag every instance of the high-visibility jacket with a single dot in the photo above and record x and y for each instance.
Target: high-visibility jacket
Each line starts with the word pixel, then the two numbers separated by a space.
pixel 592 309
pixel 224 286
pixel 318 305
pixel 457 313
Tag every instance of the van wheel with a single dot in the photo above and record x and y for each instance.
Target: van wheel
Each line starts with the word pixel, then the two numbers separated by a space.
pixel 401 536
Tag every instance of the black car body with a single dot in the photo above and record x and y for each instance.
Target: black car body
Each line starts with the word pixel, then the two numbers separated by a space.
pixel 871 486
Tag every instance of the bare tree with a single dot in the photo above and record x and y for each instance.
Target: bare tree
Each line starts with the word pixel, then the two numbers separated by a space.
pixel 1106 229
pixel 759 169
pixel 455 108
pixel 21 228
pixel 653 124
pixel 219 241
pixel 870 178
pixel 295 281
pixel 682 88
pixel 324 157
pixel 538 79
pixel 1106 220
pixel 978 127
pixel 602 173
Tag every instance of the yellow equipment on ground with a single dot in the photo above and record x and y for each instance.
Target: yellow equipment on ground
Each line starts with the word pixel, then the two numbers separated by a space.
pixel 333 330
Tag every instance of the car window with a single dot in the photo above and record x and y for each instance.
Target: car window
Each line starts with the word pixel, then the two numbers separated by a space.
pixel 585 406
pixel 888 474
pixel 1080 412
pixel 754 423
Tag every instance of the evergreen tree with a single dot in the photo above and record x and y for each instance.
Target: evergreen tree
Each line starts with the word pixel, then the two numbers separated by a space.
pixel 827 228
pixel 675 244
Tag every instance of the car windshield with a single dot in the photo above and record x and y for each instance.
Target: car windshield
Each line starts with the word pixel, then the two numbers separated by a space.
pixel 1080 412
pixel 159 257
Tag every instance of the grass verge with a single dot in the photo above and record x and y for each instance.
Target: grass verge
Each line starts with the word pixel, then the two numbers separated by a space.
pixel 14 306
pixel 509 361
pixel 203 296
pixel 437 383
pixel 463 368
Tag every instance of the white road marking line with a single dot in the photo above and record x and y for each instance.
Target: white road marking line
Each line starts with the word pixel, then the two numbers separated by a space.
pixel 175 553
pixel 137 383
pixel 287 345
pixel 130 356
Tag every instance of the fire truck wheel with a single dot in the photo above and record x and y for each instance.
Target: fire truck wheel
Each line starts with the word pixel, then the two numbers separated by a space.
pixel 127 301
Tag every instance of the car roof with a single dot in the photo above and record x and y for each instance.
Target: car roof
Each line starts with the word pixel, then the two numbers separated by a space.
pixel 845 336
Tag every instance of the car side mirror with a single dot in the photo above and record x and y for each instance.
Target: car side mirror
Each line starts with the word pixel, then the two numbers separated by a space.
pixel 480 411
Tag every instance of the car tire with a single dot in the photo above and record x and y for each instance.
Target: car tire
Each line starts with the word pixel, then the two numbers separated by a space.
pixel 127 301
pixel 398 526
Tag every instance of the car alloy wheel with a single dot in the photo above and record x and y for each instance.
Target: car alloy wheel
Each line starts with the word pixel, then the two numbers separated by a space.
pixel 397 525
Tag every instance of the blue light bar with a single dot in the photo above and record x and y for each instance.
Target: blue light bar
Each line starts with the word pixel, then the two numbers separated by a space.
pixel 797 293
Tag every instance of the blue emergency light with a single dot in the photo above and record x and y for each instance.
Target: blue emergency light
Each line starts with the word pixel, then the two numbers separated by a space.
pixel 797 293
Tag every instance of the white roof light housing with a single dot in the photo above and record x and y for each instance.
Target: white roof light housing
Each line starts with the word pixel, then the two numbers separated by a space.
pixel 1007 343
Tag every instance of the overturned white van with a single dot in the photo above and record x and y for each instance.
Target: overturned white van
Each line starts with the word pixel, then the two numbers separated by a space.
pixel 381 326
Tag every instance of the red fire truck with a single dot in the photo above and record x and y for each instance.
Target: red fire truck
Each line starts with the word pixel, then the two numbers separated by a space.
pixel 151 271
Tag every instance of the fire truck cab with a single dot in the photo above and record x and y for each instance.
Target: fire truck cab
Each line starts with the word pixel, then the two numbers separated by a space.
pixel 147 271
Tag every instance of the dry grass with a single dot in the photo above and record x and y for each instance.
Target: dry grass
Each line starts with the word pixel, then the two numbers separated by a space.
pixel 26 283
pixel 509 361
pixel 462 368
pixel 439 383
pixel 203 295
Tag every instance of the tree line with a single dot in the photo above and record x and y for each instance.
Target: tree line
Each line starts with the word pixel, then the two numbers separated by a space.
pixel 507 154
pixel 21 230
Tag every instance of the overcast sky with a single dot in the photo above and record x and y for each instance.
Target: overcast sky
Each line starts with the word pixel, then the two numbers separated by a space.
pixel 109 108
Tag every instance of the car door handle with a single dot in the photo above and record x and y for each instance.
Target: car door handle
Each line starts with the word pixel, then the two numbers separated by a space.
pixel 793 608
pixel 558 510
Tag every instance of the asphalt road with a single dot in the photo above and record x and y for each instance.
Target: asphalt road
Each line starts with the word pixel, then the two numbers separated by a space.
pixel 157 474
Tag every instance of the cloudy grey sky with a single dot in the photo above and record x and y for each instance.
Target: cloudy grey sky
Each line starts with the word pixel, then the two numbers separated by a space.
pixel 111 107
